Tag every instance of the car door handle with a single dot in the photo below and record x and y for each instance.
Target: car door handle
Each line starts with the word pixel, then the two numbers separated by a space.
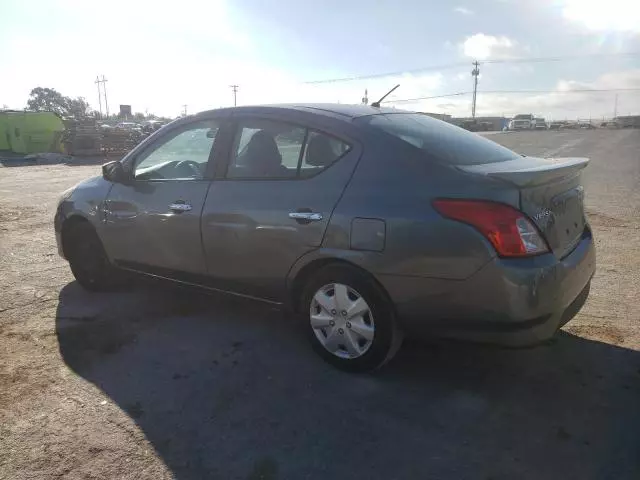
pixel 308 216
pixel 180 207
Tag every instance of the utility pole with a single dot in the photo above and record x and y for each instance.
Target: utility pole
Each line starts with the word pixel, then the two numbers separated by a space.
pixel 97 82
pixel 104 89
pixel 615 107
pixel 365 99
pixel 235 93
pixel 184 110
pixel 475 72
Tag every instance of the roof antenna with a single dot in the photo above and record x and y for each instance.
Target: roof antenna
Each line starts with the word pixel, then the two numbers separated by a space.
pixel 377 104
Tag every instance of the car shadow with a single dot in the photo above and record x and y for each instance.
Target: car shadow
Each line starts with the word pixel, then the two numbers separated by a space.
pixel 227 389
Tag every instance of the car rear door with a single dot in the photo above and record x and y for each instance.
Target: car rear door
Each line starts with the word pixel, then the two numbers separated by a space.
pixel 153 221
pixel 273 202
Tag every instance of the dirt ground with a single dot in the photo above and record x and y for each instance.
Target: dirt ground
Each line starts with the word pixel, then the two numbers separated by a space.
pixel 162 383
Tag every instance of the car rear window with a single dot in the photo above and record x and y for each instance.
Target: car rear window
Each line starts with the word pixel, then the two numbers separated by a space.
pixel 445 142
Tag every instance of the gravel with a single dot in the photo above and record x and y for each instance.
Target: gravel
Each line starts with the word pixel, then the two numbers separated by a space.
pixel 164 383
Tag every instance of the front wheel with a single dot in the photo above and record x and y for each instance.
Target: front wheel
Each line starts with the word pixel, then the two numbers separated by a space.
pixel 88 260
pixel 351 323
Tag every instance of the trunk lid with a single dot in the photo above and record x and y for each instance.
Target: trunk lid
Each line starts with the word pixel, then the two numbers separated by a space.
pixel 550 194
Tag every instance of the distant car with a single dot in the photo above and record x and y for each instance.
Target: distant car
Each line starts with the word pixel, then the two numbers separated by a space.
pixel 476 126
pixel 586 125
pixel 540 124
pixel 524 121
pixel 368 223
pixel 128 126
pixel 152 126
pixel 555 126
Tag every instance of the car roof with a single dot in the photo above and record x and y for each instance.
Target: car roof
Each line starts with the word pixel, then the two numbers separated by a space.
pixel 338 110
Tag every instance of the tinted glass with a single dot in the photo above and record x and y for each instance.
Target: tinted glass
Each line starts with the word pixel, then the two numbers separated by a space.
pixel 320 151
pixel 266 149
pixel 443 141
pixel 184 155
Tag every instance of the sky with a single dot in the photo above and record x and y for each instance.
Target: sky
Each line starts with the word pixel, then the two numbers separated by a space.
pixel 159 56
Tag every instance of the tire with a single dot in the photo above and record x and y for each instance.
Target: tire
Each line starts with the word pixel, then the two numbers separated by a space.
pixel 364 342
pixel 88 260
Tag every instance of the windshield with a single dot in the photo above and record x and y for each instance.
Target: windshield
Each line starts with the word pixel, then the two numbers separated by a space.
pixel 443 141
pixel 522 117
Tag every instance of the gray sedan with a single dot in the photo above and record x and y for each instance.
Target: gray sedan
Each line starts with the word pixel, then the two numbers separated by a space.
pixel 368 223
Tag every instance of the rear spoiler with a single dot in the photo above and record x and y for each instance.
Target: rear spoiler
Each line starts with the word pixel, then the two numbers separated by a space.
pixel 529 171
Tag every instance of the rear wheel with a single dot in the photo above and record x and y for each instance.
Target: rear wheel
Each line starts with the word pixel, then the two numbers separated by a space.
pixel 350 321
pixel 88 260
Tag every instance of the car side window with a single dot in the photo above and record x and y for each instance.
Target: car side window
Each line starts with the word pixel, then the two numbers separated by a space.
pixel 320 152
pixel 182 156
pixel 276 150
pixel 266 149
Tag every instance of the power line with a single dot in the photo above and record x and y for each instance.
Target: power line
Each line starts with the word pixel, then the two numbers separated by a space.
pixel 463 64
pixel 560 58
pixel 408 100
pixel 581 90
pixel 385 74
pixel 456 94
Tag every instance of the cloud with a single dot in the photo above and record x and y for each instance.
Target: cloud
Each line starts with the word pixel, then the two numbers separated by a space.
pixel 463 10
pixel 561 102
pixel 624 79
pixel 481 46
pixel 598 15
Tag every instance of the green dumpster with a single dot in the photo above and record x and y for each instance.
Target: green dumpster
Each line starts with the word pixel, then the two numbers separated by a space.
pixel 30 132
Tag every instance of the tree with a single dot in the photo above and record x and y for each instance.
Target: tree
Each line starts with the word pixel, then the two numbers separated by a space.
pixel 47 100
pixel 50 100
pixel 77 107
pixel 139 116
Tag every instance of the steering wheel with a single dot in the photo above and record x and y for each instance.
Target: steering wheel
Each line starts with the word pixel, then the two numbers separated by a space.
pixel 194 167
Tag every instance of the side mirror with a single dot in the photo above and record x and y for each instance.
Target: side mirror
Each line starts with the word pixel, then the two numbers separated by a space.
pixel 114 172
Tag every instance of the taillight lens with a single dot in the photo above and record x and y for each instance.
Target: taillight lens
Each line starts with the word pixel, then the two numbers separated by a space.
pixel 509 230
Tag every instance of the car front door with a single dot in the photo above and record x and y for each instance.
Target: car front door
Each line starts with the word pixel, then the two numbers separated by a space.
pixel 273 203
pixel 153 220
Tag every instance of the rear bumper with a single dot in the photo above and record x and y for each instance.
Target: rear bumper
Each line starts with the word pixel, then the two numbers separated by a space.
pixel 508 302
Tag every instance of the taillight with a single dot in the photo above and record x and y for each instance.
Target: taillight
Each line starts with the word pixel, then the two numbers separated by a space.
pixel 509 230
